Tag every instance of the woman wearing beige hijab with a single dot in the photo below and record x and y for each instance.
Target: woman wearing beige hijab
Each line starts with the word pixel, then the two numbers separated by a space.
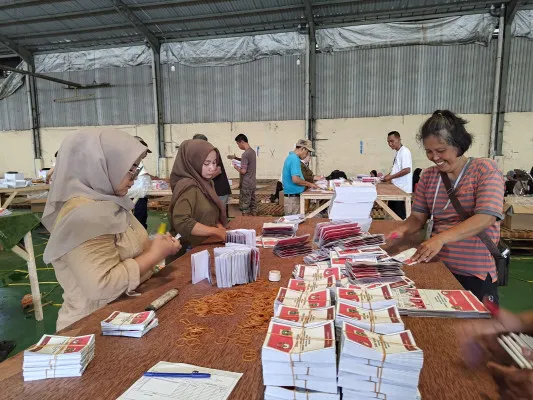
pixel 97 247
pixel 196 212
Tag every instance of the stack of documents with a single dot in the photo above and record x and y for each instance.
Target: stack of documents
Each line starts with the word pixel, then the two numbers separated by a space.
pixel 352 200
pixel 283 393
pixel 516 345
pixel 317 256
pixel 439 303
pixel 304 316
pixel 299 299
pixel 126 324
pixel 383 320
pixel 58 357
pixel 236 163
pixel 362 240
pixel 275 230
pixel 292 247
pixel 315 273
pixel 241 236
pixel 329 233
pixel 301 357
pixel 372 298
pixel 360 254
pixel 313 285
pixel 236 265
pixel 378 366
pixel 373 272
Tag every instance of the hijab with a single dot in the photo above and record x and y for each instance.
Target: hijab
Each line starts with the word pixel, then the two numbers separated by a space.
pixel 187 171
pixel 91 163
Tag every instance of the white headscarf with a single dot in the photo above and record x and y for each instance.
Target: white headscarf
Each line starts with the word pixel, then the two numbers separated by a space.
pixel 90 164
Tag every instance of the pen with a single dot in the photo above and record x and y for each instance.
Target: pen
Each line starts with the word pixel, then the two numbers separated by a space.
pixel 194 374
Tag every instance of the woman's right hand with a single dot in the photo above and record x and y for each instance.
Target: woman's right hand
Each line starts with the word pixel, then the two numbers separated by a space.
pixel 165 245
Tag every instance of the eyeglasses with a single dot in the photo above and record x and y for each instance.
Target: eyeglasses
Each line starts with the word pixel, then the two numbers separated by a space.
pixel 134 174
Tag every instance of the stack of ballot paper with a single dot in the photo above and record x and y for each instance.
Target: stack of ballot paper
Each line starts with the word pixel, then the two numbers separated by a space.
pixel 352 200
pixel 439 303
pixel 236 265
pixel 236 163
pixel 315 272
pixel 284 393
pixel 362 240
pixel 241 236
pixel 516 345
pixel 299 299
pixel 372 298
pixel 360 254
pixel 313 285
pixel 317 256
pixel 292 247
pixel 126 324
pixel 304 316
pixel 383 320
pixel 378 366
pixel 372 272
pixel 329 233
pixel 275 230
pixel 58 357
pixel 292 219
pixel 200 267
pixel 395 282
pixel 301 357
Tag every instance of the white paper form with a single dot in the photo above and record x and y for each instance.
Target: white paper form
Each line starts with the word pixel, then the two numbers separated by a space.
pixel 200 267
pixel 218 387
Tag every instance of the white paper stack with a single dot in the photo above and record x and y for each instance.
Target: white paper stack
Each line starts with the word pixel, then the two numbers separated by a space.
pixel 236 163
pixel 439 303
pixel 304 316
pixel 378 366
pixel 58 357
pixel 352 200
pixel 298 299
pixel 236 265
pixel 384 320
pixel 300 357
pixel 127 324
pixel 283 393
pixel 241 236
pixel 369 298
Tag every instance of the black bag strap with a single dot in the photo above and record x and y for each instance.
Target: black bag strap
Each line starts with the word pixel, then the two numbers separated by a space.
pixel 493 248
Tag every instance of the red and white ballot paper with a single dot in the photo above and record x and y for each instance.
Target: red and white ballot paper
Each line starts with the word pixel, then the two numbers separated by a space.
pixel 369 298
pixel 299 299
pixel 304 316
pixel 439 303
pixel 129 324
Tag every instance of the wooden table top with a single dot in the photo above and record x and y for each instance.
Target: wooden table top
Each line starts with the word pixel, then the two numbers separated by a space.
pixel 384 190
pixel 32 188
pixel 120 361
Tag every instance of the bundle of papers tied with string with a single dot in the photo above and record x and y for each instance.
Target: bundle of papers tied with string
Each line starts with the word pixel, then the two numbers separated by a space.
pixel 58 357
pixel 299 299
pixel 368 298
pixel 382 320
pixel 300 357
pixel 304 316
pixel 129 324
pixel 372 365
pixel 236 264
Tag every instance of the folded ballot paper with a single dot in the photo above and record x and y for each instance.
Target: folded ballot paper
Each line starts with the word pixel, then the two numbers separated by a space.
pixel 284 393
pixel 200 267
pixel 278 230
pixel 328 233
pixel 439 303
pixel 128 324
pixel 300 357
pixel 241 236
pixel 292 247
pixel 378 366
pixel 236 264
pixel 383 320
pixel 298 299
pixel 368 298
pixel 304 316
pixel 58 357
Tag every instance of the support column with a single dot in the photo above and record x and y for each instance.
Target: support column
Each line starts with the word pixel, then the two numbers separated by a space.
pixel 158 108
pixel 33 106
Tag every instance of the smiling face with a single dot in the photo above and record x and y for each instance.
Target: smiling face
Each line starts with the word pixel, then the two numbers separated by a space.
pixel 442 154
pixel 209 166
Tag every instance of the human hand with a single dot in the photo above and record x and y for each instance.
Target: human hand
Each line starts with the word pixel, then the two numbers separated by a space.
pixel 514 383
pixel 395 235
pixel 219 232
pixel 165 245
pixel 428 250
pixel 237 168
pixel 232 157
pixel 387 178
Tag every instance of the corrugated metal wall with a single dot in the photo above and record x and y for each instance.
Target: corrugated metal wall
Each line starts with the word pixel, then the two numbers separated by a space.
pixel 405 80
pixel 269 89
pixel 128 101
pixel 520 84
pixel 14 112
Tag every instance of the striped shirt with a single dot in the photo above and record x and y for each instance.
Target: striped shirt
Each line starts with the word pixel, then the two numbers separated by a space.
pixel 480 191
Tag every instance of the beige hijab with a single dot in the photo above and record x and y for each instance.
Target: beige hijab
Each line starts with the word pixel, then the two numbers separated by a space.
pixel 91 164
pixel 187 171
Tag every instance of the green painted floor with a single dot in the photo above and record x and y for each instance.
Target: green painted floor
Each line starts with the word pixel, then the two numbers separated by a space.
pixel 15 324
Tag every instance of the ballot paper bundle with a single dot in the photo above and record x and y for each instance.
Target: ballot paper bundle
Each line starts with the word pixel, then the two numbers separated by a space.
pixel 372 365
pixel 241 236
pixel 395 282
pixel 317 273
pixel 304 316
pixel 292 247
pixel 301 357
pixel 372 298
pixel 299 299
pixel 362 241
pixel 127 324
pixel 329 233
pixel 362 254
pixel 282 230
pixel 371 272
pixel 383 320
pixel 439 303
pixel 516 345
pixel 236 265
pixel 284 393
pixel 317 256
pixel 352 200
pixel 313 285
pixel 58 357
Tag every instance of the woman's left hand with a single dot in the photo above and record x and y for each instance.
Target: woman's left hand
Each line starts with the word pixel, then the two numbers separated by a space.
pixel 428 250
pixel 514 383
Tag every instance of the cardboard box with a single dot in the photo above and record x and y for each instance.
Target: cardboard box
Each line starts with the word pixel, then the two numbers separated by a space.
pixel 11 176
pixel 518 213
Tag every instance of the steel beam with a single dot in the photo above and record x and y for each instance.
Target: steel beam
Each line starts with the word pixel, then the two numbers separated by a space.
pixel 31 73
pixel 310 73
pixel 58 17
pixel 124 10
pixel 33 106
pixel 23 52
pixel 158 103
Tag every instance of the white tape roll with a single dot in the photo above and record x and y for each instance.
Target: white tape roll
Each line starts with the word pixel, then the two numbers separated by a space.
pixel 274 276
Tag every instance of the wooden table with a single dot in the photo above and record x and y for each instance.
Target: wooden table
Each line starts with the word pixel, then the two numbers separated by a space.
pixel 386 192
pixel 120 361
pixel 10 193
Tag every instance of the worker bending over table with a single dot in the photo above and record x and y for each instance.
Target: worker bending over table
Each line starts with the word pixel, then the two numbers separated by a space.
pixel 196 212
pixel 97 247
pixel 479 188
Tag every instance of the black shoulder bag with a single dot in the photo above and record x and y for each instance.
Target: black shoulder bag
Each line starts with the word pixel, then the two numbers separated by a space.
pixel 500 252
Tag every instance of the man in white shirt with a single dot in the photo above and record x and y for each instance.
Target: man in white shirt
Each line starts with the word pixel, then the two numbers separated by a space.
pixel 401 175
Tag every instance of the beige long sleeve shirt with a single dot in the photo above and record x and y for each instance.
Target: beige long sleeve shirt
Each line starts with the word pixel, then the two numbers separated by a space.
pixel 99 270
